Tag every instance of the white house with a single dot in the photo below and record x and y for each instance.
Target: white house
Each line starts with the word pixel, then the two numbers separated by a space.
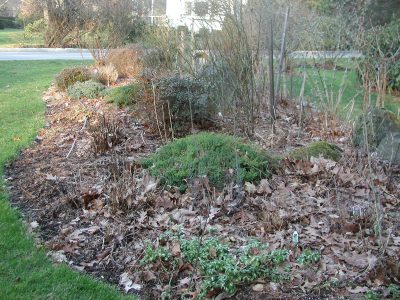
pixel 194 14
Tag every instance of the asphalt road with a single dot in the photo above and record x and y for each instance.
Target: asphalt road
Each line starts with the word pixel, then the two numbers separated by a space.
pixel 44 54
pixel 84 54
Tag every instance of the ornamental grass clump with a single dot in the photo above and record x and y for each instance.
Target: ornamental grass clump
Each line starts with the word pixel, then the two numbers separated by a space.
pixel 126 61
pixel 107 74
pixel 219 157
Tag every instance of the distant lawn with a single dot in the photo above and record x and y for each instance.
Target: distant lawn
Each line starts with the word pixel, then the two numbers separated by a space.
pixel 14 38
pixel 25 271
pixel 352 90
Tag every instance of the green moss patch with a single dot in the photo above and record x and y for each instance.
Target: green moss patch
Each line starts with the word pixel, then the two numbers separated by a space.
pixel 316 149
pixel 217 156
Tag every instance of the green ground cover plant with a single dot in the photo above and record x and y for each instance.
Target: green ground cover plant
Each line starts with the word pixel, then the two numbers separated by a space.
pixel 90 89
pixel 394 291
pixel 308 257
pixel 208 154
pixel 221 265
pixel 25 271
pixel 124 95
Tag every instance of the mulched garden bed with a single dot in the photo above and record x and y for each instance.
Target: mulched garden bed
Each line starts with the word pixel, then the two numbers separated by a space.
pixel 97 210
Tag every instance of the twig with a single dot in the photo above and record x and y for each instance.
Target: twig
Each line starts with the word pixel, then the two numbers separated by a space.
pixel 170 121
pixel 272 103
pixel 72 147
pixel 282 53
pixel 164 123
pixel 155 109
pixel 141 135
pixel 76 138
pixel 260 137
pixel 191 112
pixel 3 4
pixel 301 100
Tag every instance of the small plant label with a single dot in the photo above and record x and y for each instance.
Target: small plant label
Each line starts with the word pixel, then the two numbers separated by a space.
pixel 295 238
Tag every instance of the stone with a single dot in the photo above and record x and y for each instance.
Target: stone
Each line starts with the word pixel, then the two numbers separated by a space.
pixel 258 287
pixel 389 148
pixel 383 133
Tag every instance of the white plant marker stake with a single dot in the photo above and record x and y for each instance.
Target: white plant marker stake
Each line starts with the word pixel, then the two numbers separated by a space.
pixel 295 238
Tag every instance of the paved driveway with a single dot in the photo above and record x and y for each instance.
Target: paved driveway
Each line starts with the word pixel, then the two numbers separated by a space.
pixel 79 54
pixel 44 54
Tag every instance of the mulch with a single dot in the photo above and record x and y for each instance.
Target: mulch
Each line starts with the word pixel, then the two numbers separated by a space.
pixel 97 211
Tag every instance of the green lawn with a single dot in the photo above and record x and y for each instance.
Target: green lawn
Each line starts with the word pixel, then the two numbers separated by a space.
pixel 323 82
pixel 25 271
pixel 14 38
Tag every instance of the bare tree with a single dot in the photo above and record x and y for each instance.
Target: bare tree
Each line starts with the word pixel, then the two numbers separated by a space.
pixel 31 10
pixel 3 3
pixel 382 51
pixel 109 24
pixel 104 22
pixel 64 16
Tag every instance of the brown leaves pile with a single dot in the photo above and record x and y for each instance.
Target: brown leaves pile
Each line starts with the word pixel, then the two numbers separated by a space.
pixel 99 212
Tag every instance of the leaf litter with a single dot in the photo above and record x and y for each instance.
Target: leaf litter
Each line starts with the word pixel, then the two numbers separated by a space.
pixel 99 212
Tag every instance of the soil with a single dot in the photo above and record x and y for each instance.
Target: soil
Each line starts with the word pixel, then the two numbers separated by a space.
pixel 95 209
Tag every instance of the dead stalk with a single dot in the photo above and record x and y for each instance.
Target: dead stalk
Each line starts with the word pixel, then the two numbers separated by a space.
pixel 272 102
pixel 282 54
pixel 76 138
pixel 377 204
pixel 206 195
pixel 164 123
pixel 301 98
pixel 170 120
pixel 155 110
pixel 191 114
